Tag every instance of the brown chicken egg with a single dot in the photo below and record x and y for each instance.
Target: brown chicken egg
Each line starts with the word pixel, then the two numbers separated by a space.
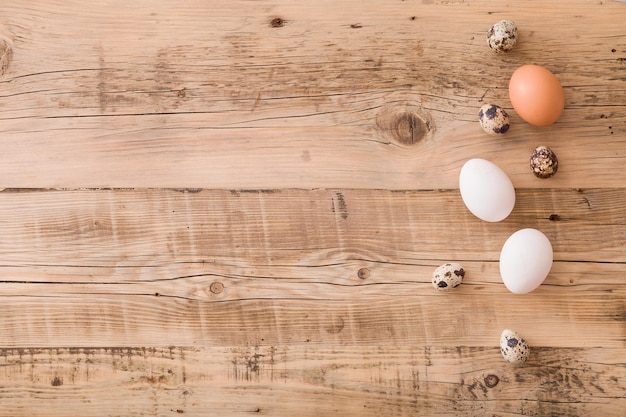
pixel 536 95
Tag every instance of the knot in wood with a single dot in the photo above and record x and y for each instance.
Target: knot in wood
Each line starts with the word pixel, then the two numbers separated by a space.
pixel 216 287
pixel 409 129
pixel 6 53
pixel 277 22
pixel 335 326
pixel 491 380
pixel 363 273
pixel 406 126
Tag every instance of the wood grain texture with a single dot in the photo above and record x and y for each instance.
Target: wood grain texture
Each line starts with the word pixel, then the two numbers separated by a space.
pixel 213 96
pixel 235 208
pixel 268 380
pixel 316 272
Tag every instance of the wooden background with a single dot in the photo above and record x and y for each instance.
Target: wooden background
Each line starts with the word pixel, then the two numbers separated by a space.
pixel 227 208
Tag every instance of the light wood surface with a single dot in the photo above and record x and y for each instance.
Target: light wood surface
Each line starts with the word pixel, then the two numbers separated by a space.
pixel 226 208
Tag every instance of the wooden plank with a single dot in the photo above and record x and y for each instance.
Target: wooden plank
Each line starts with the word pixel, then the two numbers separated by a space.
pixel 310 381
pixel 464 319
pixel 215 96
pixel 275 227
pixel 291 267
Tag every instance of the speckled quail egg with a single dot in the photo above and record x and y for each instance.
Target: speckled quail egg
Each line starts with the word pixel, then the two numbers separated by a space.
pixel 502 36
pixel 513 347
pixel 543 162
pixel 493 119
pixel 448 276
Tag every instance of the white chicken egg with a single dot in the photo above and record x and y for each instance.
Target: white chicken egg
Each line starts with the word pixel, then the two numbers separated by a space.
pixel 486 190
pixel 525 260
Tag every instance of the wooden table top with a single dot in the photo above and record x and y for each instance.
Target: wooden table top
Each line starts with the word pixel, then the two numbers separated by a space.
pixel 226 208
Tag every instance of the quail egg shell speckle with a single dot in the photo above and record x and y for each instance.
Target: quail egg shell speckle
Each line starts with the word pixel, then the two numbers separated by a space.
pixel 513 347
pixel 502 36
pixel 543 162
pixel 448 276
pixel 493 119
